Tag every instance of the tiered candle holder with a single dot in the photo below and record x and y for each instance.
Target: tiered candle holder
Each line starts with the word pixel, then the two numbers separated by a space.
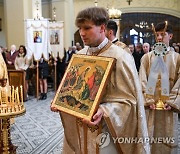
pixel 11 105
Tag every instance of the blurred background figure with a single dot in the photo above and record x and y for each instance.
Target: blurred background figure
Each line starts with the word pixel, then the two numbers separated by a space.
pixel 176 48
pixel 78 46
pixel 74 49
pixel 131 48
pixel 146 47
pixel 43 75
pixel 3 52
pixel 61 67
pixel 174 44
pixel 111 31
pixel 138 55
pixel 69 53
pixel 11 56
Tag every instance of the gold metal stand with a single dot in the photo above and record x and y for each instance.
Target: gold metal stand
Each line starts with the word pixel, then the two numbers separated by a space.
pixel 6 146
pixel 11 105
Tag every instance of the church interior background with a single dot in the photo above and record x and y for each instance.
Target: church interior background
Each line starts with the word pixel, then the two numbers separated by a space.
pixel 135 20
pixel 40 130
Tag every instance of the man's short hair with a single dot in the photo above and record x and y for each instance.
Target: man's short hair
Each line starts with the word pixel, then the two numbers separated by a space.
pixel 97 15
pixel 161 26
pixel 112 25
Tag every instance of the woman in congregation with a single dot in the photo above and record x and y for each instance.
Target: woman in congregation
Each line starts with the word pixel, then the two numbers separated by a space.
pixel 23 63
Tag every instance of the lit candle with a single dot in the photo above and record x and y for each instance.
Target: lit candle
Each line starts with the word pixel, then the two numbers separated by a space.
pixel 21 88
pixel 12 94
pixel 166 22
pixel 17 95
pixel 153 28
pixel 6 93
pixel 165 28
pixel 0 96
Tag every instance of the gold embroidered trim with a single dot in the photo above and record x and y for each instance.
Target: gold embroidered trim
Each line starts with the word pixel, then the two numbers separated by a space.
pixel 91 128
pixel 99 131
pixel 77 123
pixel 85 138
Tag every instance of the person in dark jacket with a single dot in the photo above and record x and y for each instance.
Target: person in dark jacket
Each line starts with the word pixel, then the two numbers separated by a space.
pixel 138 55
pixel 43 75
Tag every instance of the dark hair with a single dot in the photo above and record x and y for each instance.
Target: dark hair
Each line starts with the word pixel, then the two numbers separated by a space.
pixel 174 47
pixel 132 44
pixel 161 26
pixel 139 44
pixel 24 48
pixel 97 15
pixel 111 25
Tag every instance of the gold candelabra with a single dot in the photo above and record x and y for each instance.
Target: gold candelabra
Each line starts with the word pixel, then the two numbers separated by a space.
pixel 11 100
pixel 11 105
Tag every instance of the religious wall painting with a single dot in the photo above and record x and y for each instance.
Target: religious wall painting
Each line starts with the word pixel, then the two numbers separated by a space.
pixel 54 37
pixel 37 35
pixel 83 85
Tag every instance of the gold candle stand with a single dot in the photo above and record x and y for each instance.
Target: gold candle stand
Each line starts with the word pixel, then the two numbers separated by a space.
pixel 6 146
pixel 11 105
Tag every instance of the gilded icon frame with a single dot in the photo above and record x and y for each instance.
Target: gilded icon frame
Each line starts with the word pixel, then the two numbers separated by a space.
pixel 83 85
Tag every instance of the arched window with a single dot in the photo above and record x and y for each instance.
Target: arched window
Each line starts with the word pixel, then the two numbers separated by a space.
pixel 141 24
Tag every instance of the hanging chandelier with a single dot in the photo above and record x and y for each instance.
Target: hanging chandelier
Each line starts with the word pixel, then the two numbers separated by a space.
pixel 114 13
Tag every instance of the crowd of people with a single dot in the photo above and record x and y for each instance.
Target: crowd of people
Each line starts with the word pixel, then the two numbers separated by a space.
pixel 16 59
pixel 125 110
